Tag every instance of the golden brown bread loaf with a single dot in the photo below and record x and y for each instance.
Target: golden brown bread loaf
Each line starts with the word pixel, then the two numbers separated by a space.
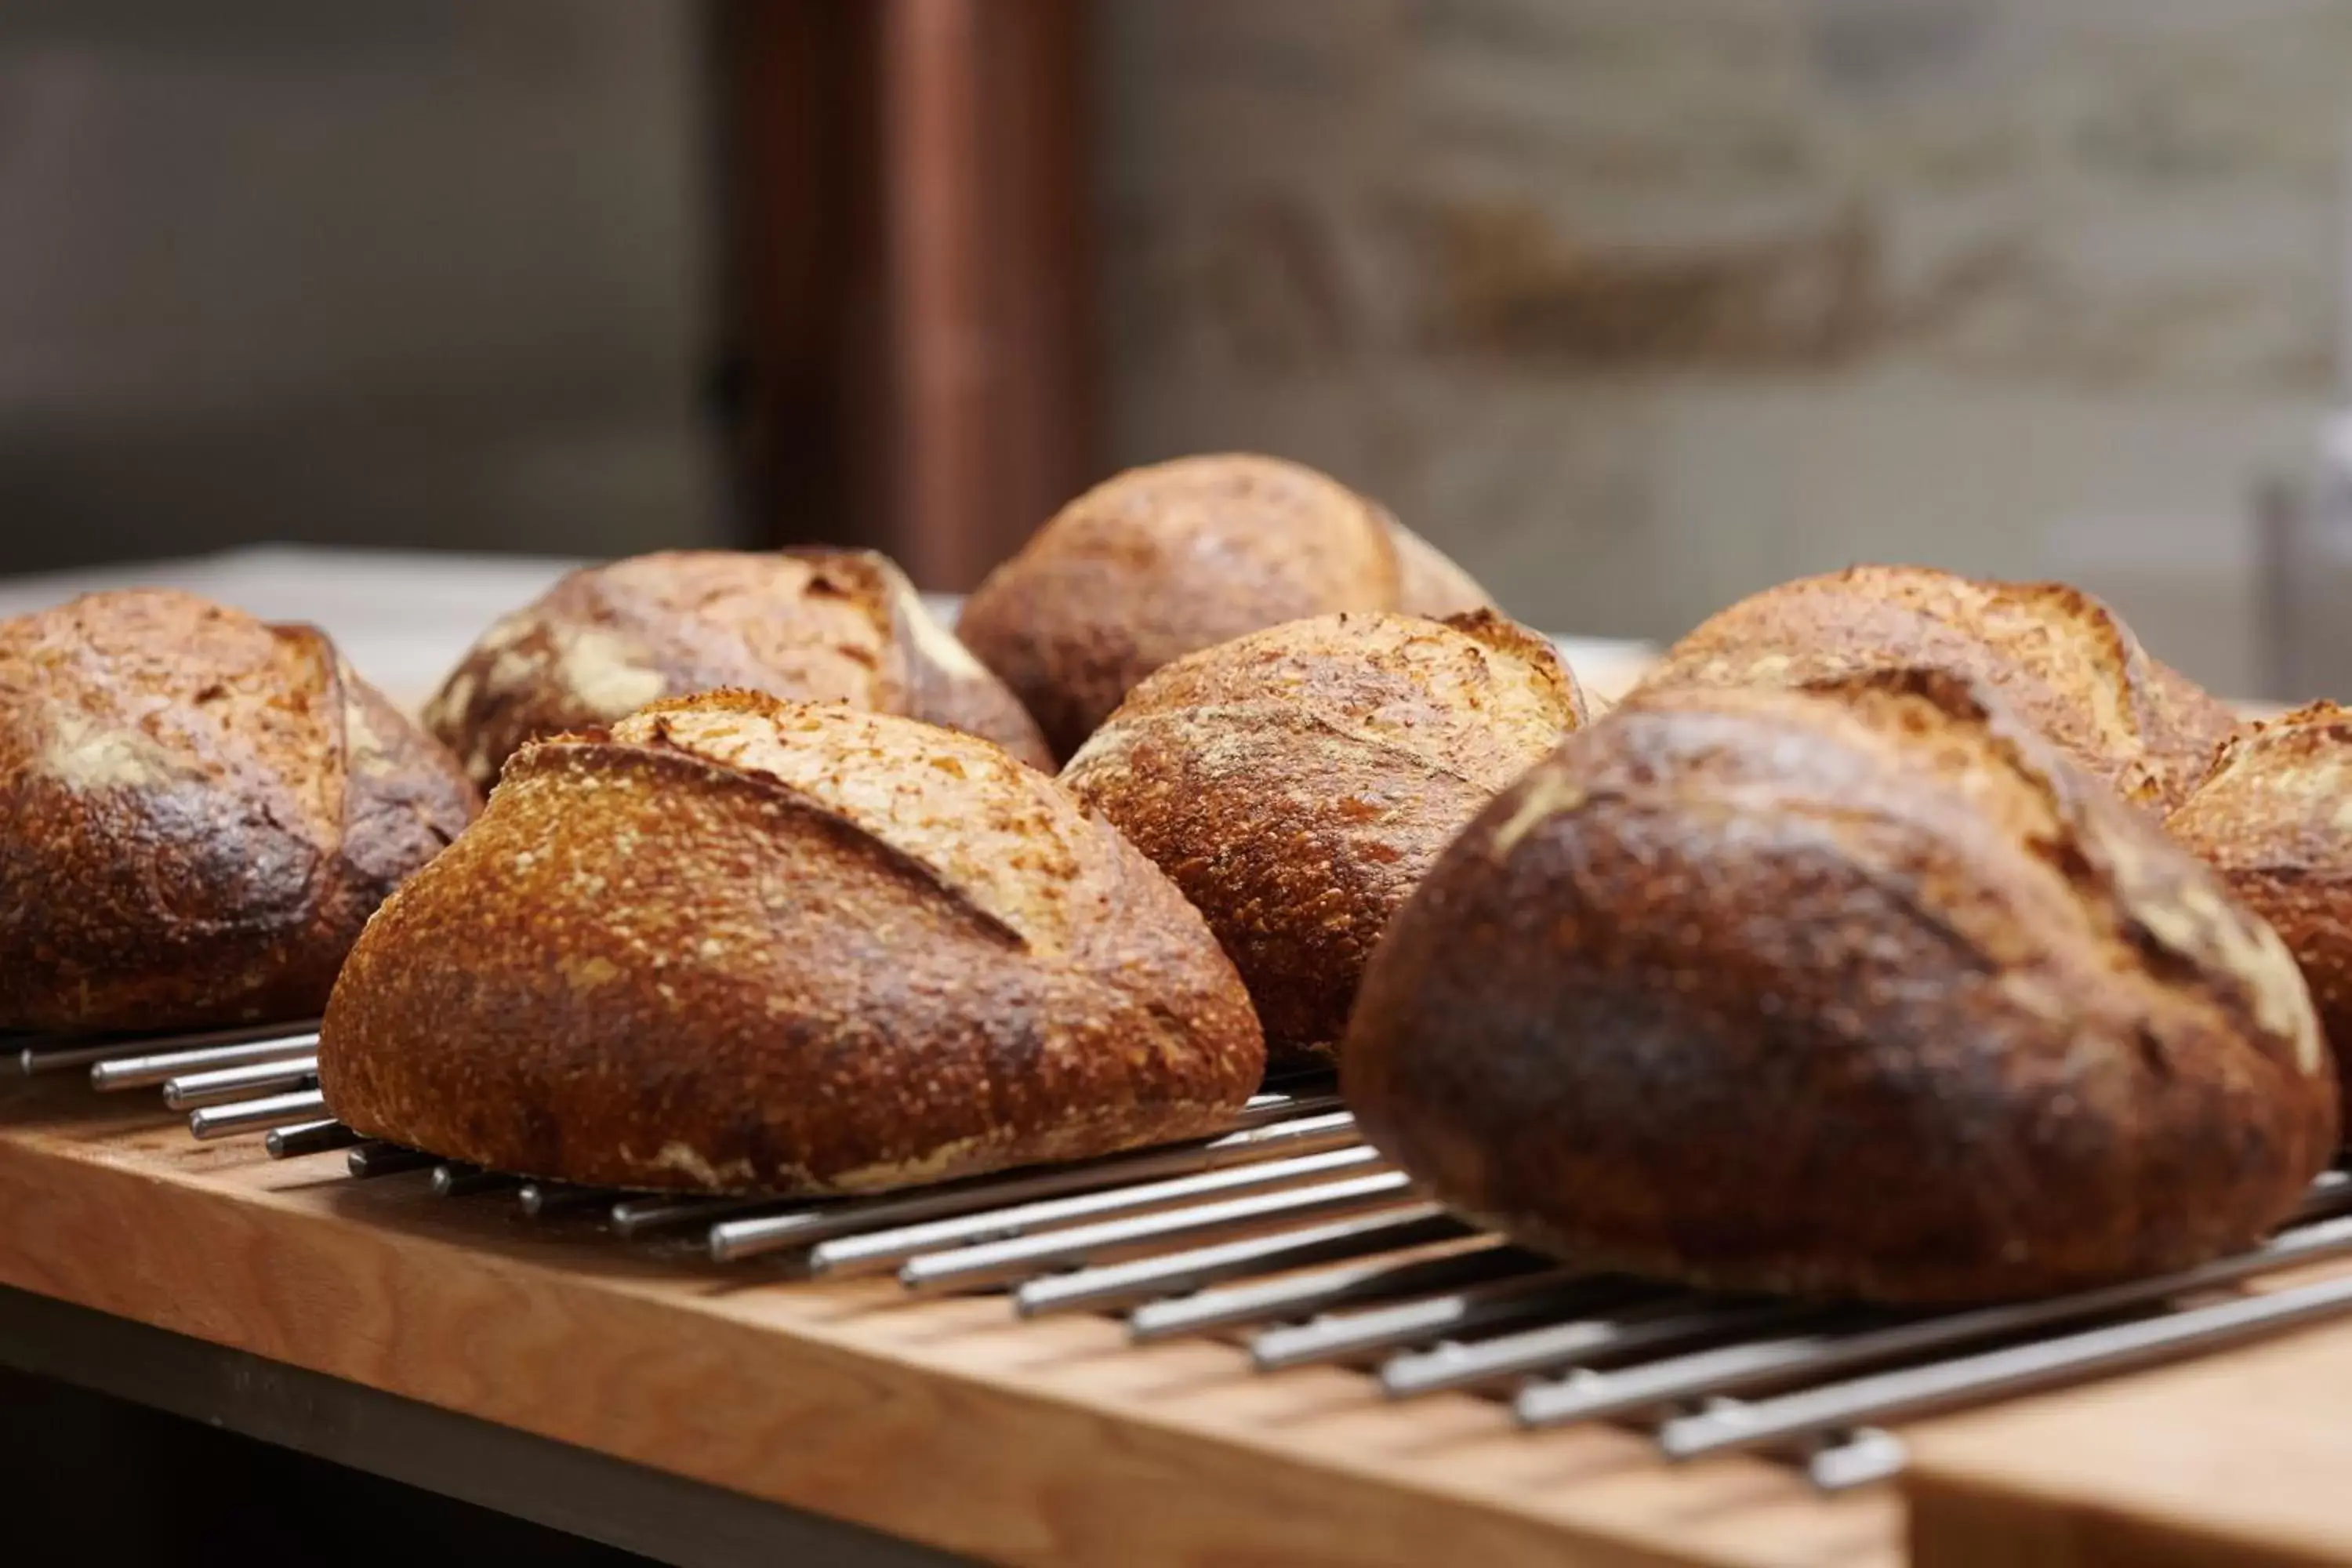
pixel 819 626
pixel 201 812
pixel 2062 659
pixel 741 944
pixel 2274 817
pixel 1161 562
pixel 1860 992
pixel 1297 783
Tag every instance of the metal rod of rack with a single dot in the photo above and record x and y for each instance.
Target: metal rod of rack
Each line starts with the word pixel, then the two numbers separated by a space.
pixel 998 1262
pixel 222 1085
pixel 48 1055
pixel 147 1071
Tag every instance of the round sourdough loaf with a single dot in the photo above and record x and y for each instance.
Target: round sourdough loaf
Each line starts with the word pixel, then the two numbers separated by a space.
pixel 202 811
pixel 1160 561
pixel 743 945
pixel 1863 991
pixel 2274 817
pixel 816 626
pixel 2063 660
pixel 1297 783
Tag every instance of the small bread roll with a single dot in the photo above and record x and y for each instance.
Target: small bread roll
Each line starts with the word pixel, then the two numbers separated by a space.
pixel 739 944
pixel 1161 562
pixel 2062 659
pixel 1860 992
pixel 817 626
pixel 1297 783
pixel 2274 817
pixel 202 811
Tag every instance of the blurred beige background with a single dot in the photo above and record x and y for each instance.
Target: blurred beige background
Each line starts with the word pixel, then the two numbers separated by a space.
pixel 1634 306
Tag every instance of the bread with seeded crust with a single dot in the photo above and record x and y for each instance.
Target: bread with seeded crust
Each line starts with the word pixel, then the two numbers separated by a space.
pixel 202 810
pixel 811 624
pixel 1297 783
pixel 2273 816
pixel 1859 991
pixel 739 944
pixel 1164 560
pixel 2061 658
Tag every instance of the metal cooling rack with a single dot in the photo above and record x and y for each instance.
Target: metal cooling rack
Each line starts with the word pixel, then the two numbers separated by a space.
pixel 1291 1235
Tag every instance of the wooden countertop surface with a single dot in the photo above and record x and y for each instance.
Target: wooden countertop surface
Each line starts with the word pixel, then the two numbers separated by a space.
pixel 944 1420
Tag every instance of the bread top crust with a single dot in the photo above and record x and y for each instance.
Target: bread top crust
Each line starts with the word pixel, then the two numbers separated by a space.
pixel 1002 836
pixel 1160 561
pixel 1297 783
pixel 2277 798
pixel 2005 1035
pixel 745 945
pixel 2062 658
pixel 210 805
pixel 822 625
pixel 2273 816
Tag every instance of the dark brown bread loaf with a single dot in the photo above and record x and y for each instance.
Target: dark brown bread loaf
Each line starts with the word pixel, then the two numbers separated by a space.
pixel 200 812
pixel 2274 817
pixel 1297 783
pixel 819 626
pixel 1863 992
pixel 1161 562
pixel 739 944
pixel 2062 659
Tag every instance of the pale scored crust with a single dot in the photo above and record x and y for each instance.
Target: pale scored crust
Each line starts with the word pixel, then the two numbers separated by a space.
pixel 743 945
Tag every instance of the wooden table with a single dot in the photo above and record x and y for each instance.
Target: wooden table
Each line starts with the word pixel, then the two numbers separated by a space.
pixel 944 1422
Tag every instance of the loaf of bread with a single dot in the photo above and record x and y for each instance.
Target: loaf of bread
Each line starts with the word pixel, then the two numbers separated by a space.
pixel 1862 991
pixel 202 810
pixel 1161 562
pixel 739 944
pixel 2274 817
pixel 1299 781
pixel 2065 661
pixel 818 625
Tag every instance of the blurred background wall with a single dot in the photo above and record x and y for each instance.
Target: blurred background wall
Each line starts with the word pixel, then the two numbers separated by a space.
pixel 1640 307
pixel 1637 305
pixel 414 272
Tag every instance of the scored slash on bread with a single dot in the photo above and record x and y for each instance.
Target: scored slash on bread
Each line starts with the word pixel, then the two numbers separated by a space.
pixel 1861 990
pixel 741 944
pixel 2063 658
pixel 1160 561
pixel 203 809
pixel 2273 816
pixel 1297 783
pixel 811 624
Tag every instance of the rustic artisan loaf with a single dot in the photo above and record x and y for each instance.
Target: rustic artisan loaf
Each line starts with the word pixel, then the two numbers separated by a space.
pixel 741 944
pixel 2061 658
pixel 819 626
pixel 200 812
pixel 2274 817
pixel 1161 562
pixel 1859 992
pixel 1297 783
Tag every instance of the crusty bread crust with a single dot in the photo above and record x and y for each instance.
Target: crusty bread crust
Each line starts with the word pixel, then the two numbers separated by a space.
pixel 1862 992
pixel 1164 561
pixel 202 810
pixel 2061 658
pixel 1297 783
pixel 2274 817
pixel 741 944
pixel 823 625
